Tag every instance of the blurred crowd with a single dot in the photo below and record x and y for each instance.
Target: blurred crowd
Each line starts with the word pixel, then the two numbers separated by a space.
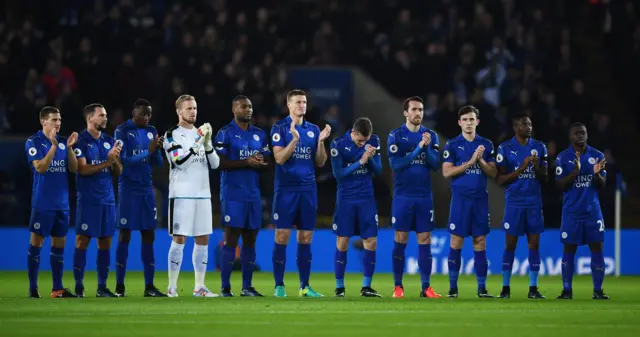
pixel 503 56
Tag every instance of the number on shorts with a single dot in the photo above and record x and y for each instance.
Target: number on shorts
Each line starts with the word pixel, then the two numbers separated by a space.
pixel 155 213
pixel 601 223
pixel 431 211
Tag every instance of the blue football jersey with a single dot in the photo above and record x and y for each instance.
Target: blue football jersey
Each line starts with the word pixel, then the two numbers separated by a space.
pixel 412 165
pixel 95 189
pixel 525 190
pixel 354 180
pixel 581 199
pixel 472 182
pixel 237 144
pixel 299 172
pixel 137 164
pixel 50 189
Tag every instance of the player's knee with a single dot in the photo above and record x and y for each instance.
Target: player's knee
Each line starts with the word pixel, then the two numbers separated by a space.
pixel 570 248
pixel 595 247
pixel 82 242
pixel 342 243
pixel 534 243
pixel 202 240
pixel 370 243
pixel 282 236
pixel 36 240
pixel 479 243
pixel 511 242
pixel 148 236
pixel 249 238
pixel 58 242
pixel 104 243
pixel 456 242
pixel 305 237
pixel 402 237
pixel 424 238
pixel 180 239
pixel 125 235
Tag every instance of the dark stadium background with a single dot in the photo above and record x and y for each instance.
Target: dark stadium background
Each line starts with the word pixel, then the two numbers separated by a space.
pixel 559 61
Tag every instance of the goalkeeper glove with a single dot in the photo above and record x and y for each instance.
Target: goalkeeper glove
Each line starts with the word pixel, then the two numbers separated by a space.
pixel 208 145
pixel 202 137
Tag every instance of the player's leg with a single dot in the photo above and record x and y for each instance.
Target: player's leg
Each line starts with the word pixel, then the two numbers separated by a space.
pixel 534 227
pixel 149 263
pixel 367 221
pixel 40 227
pixel 103 264
pixel 180 216
pixel 202 229
pixel 248 260
pixel 284 212
pixel 513 224
pixel 228 257
pixel 480 229
pixel 58 241
pixel 594 236
pixel 343 227
pixel 122 253
pixel 459 228
pixel 402 220
pixel 233 218
pixel 571 234
pixel 80 262
pixel 88 225
pixel 307 213
pixel 425 223
pixel 248 252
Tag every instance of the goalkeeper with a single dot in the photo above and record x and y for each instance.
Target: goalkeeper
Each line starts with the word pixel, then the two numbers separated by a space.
pixel 190 154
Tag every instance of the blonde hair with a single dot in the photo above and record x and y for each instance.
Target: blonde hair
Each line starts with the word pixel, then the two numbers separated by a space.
pixel 183 98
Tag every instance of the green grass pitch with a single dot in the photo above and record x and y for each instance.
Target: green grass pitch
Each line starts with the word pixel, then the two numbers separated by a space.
pixel 293 316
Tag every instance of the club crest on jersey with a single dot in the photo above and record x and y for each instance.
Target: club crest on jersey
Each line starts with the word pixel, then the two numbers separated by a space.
pixel 592 160
pixel 334 152
pixel 393 148
pixel 123 221
pixel 310 134
pixel 276 137
pixel 534 152
pixel 445 154
pixel 61 146
pixel 499 158
pixel 558 170
pixel 32 151
pixel 149 135
pixel 106 145
pixel 256 138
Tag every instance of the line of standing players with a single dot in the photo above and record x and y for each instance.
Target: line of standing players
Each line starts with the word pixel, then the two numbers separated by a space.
pixel 297 147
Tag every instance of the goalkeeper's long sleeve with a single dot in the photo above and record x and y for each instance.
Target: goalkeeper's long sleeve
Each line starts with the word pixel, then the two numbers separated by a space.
pixel 214 160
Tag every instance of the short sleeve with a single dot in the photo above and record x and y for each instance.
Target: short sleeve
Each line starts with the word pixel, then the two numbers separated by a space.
pixel 601 158
pixel 375 142
pixel 393 146
pixel 435 141
pixel 277 137
pixel 33 152
pixel 544 156
pixel 334 149
pixel 265 144
pixel 448 156
pixel 80 149
pixel 489 154
pixel 500 157
pixel 221 143
pixel 562 169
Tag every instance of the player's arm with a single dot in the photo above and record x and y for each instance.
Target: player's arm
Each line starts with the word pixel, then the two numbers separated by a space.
pixel 88 169
pixel 267 155
pixel 564 179
pixel 433 153
pixel 600 174
pixel 505 177
pixel 449 170
pixel 42 164
pixel 336 164
pixel 222 146
pixel 72 160
pixel 321 152
pixel 375 162
pixel 487 162
pixel 282 152
pixel 177 153
pixel 398 162
pixel 116 167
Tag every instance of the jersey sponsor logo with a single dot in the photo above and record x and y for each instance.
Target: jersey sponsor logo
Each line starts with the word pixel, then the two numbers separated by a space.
pixel 32 151
pixel 256 138
pixel 393 148
pixel 310 134
pixel 61 146
pixel 334 152
pixel 534 152
pixel 123 221
pixel 302 152
pixel 558 170
pixel 445 154
pixel 499 158
pixel 528 173
pixel 57 166
pixel 276 137
pixel 149 135
pixel 583 181
pixel 244 154
pixel 473 169
pixel 36 225
pixel 592 160
pixel 106 145
pixel 421 159
pixel 359 171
